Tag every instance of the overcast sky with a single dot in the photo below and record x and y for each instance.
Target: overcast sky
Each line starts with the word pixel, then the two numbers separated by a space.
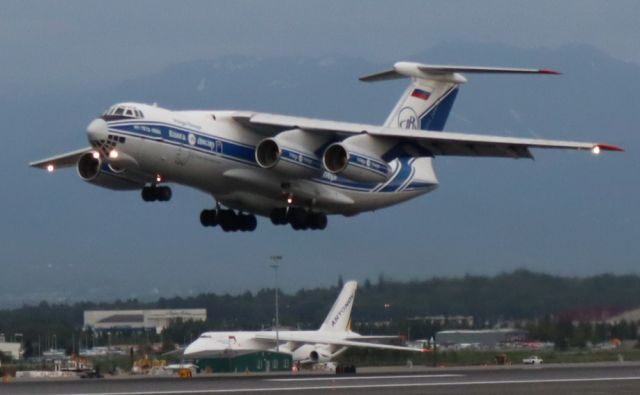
pixel 49 47
pixel 80 42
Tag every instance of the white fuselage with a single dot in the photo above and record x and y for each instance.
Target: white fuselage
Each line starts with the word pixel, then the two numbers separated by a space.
pixel 210 151
pixel 216 344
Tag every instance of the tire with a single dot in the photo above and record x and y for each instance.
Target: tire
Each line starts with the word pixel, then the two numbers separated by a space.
pixel 252 223
pixel 164 194
pixel 298 218
pixel 204 218
pixel 317 221
pixel 320 221
pixel 148 194
pixel 208 218
pixel 228 220
pixel 278 216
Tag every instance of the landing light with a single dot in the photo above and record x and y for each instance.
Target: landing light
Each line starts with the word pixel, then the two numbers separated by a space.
pixel 595 150
pixel 50 168
pixel 96 155
pixel 289 200
pixel 158 178
pixel 113 154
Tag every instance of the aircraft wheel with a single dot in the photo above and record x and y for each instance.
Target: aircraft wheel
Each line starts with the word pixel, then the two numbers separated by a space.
pixel 247 222
pixel 243 222
pixel 208 218
pixel 298 217
pixel 278 216
pixel 149 194
pixel 318 221
pixel 228 220
pixel 252 223
pixel 163 194
pixel 204 218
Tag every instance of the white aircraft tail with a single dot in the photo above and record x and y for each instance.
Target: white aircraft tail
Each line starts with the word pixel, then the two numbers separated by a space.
pixel 428 100
pixel 340 314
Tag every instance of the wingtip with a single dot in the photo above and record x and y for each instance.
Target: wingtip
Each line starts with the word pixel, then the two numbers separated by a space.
pixel 608 147
pixel 549 72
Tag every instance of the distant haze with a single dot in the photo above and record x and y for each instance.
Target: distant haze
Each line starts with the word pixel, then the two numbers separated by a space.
pixel 566 212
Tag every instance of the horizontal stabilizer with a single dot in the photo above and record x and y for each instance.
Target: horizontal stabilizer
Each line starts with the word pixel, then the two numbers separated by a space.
pixel 430 71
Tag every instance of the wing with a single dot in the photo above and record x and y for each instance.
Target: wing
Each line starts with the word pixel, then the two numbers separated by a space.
pixel 436 143
pixel 60 161
pixel 319 339
pixel 361 338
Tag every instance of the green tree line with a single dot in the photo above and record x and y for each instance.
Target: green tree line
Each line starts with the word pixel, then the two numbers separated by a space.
pixel 519 295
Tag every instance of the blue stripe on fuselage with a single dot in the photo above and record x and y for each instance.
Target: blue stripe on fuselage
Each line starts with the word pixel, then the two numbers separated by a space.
pixel 401 177
pixel 245 153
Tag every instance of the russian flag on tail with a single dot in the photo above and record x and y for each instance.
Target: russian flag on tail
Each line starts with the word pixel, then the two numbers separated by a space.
pixel 420 94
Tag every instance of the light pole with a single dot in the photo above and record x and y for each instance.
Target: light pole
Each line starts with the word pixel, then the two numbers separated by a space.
pixel 275 264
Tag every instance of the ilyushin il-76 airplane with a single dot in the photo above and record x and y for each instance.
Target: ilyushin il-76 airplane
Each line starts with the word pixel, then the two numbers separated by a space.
pixel 293 170
pixel 319 346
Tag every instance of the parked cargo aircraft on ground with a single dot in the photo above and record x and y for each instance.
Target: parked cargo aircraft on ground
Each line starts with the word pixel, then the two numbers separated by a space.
pixel 322 345
pixel 294 170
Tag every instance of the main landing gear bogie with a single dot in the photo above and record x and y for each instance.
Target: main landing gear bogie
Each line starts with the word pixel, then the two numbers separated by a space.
pixel 299 218
pixel 156 193
pixel 229 220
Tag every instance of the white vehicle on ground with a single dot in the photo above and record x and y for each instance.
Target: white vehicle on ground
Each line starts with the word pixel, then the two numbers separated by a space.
pixel 532 360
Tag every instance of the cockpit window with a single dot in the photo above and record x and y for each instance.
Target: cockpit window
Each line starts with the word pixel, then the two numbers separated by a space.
pixel 121 112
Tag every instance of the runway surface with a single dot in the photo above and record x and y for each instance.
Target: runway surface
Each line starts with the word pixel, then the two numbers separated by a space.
pixel 583 379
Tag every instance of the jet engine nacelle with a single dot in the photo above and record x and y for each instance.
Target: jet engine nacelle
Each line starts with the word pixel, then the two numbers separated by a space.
pixel 92 169
pixel 291 153
pixel 352 159
pixel 318 356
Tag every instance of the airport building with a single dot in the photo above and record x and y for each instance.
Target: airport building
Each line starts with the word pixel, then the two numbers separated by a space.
pixel 139 320
pixel 628 316
pixel 12 349
pixel 480 339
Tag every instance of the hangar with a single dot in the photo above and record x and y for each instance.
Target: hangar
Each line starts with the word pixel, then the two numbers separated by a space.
pixel 139 320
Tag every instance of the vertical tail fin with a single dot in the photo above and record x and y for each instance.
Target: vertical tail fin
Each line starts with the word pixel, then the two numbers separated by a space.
pixel 428 100
pixel 340 314
pixel 425 105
